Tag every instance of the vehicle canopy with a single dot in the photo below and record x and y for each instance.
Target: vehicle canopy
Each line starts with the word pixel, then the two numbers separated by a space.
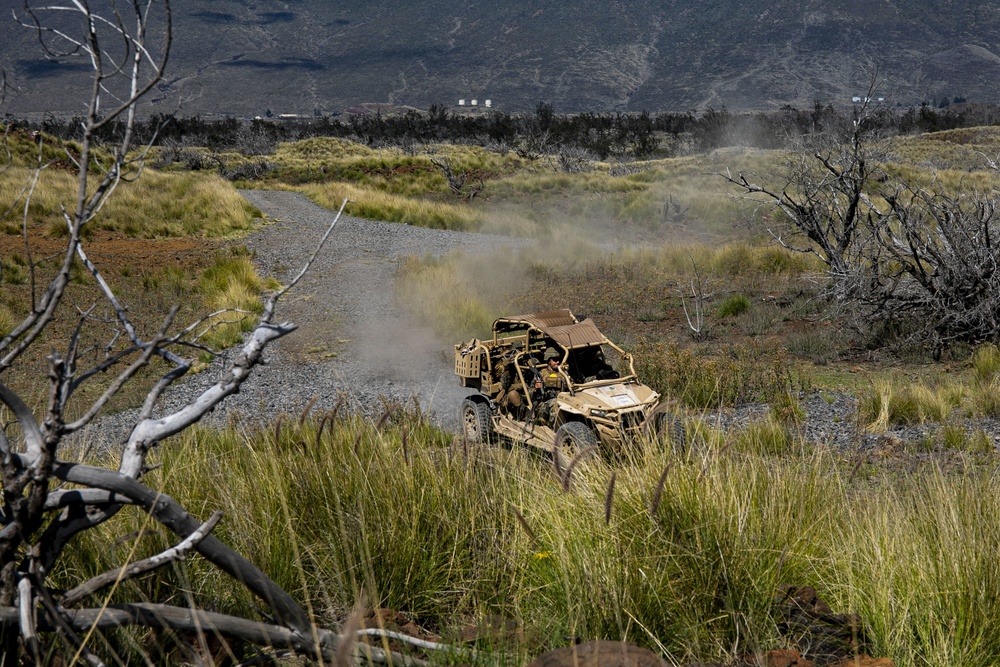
pixel 559 325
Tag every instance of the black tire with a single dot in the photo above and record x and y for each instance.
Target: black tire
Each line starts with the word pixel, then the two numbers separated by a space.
pixel 670 430
pixel 476 422
pixel 571 439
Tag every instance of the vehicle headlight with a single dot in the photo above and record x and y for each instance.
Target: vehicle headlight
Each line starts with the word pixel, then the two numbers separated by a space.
pixel 599 413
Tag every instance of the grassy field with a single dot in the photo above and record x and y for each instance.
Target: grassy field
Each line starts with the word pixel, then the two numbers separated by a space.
pixel 683 554
pixel 507 194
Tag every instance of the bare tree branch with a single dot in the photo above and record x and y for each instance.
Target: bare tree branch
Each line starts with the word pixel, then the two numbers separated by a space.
pixel 191 620
pixel 26 607
pixel 138 568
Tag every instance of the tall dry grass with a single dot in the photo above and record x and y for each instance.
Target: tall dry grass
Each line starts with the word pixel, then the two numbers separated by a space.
pixel 232 286
pixel 688 566
pixel 375 204
pixel 158 205
pixel 899 401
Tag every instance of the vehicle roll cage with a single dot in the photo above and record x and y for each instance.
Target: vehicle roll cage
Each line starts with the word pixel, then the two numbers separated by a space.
pixel 531 335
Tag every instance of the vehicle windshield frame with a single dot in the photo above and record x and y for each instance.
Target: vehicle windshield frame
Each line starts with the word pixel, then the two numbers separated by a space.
pixel 625 356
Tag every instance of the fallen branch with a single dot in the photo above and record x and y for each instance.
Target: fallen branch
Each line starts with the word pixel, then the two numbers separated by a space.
pixel 133 570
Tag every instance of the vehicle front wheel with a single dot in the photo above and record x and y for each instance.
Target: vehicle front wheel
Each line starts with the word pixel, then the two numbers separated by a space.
pixel 571 439
pixel 671 431
pixel 476 422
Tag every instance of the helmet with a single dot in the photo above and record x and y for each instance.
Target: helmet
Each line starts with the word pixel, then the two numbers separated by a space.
pixel 551 353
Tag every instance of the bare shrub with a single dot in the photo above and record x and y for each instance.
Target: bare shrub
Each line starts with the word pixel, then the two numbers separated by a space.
pixel 574 160
pixel 457 181
pixel 248 170
pixel 901 256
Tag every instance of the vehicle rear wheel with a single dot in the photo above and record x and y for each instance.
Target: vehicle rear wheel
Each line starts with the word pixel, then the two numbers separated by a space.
pixel 670 430
pixel 571 439
pixel 476 422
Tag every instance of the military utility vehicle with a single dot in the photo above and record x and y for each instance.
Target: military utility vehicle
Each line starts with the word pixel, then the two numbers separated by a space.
pixel 589 396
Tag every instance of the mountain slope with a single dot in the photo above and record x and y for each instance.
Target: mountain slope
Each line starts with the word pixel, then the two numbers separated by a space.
pixel 299 56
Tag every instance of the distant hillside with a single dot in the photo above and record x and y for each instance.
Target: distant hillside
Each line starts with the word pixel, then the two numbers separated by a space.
pixel 302 56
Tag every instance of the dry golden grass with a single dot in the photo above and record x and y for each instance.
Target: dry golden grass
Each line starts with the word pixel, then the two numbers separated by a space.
pixel 685 555
pixel 158 205
pixel 7 320
pixel 377 205
pixel 961 149
pixel 892 402
pixel 519 197
pixel 231 284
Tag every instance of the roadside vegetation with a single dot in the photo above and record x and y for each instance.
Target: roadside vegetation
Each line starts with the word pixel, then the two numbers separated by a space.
pixel 681 553
pixel 165 239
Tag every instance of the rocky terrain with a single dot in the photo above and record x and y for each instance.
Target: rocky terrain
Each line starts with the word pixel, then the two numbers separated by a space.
pixel 239 57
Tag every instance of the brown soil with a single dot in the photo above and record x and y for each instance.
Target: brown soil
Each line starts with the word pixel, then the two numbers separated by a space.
pixel 109 251
pixel 133 268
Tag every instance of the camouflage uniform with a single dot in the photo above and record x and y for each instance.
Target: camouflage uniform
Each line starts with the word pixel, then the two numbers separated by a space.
pixel 553 382
pixel 511 395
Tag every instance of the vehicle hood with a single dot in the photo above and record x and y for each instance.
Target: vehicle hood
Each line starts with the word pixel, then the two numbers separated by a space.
pixel 618 396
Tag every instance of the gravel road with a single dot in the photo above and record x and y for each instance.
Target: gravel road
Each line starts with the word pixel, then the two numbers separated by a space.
pixel 345 306
pixel 353 338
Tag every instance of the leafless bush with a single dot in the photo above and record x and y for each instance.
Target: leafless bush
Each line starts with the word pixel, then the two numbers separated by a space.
pixel 250 170
pixel 627 168
pixel 254 138
pixel 533 144
pixel 457 180
pixel 694 296
pixel 672 211
pixel 501 146
pixel 410 146
pixel 198 159
pixel 574 160
pixel 900 256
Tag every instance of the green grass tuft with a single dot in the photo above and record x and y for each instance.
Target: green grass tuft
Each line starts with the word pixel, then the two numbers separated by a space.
pixel 734 305
pixel 986 363
pixel 730 376
pixel 886 403
pixel 230 284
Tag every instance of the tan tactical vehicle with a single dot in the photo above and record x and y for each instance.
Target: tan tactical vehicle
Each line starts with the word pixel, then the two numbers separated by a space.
pixel 590 397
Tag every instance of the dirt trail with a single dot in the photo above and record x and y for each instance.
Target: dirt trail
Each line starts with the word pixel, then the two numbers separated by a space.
pixel 353 337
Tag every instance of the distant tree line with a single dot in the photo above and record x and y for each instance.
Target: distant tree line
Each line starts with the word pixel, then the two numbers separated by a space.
pixel 616 136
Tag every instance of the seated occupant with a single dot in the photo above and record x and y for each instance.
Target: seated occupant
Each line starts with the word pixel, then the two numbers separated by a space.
pixel 605 371
pixel 550 383
pixel 590 365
